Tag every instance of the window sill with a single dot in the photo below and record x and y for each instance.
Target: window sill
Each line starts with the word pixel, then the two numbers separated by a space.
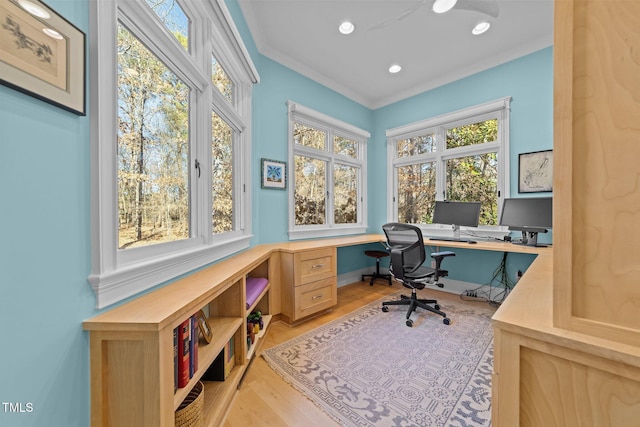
pixel 313 233
pixel 114 286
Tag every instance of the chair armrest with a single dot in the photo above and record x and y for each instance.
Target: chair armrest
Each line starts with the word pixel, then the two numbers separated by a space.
pixel 442 254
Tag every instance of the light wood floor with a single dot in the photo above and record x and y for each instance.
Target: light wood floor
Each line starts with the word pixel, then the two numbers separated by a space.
pixel 265 399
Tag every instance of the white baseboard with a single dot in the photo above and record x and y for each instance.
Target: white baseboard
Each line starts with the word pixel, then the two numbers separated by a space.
pixel 457 287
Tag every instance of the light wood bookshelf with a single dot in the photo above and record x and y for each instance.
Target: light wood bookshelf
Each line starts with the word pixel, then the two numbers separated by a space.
pixel 131 346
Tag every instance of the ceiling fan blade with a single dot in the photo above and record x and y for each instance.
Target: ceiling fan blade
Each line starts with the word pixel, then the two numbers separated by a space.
pixel 404 14
pixel 488 7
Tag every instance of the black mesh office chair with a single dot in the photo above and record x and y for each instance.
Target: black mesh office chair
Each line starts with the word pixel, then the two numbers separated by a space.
pixel 406 246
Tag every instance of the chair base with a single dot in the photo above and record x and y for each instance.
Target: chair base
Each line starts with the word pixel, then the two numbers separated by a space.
pixel 414 302
pixel 375 276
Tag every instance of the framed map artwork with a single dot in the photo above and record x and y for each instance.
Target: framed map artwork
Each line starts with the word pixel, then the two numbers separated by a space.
pixel 535 172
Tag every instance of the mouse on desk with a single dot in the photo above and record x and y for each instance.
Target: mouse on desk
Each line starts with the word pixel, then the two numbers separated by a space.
pixel 472 242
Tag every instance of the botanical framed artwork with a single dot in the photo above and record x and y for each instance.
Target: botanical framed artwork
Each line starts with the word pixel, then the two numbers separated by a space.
pixel 535 172
pixel 274 174
pixel 42 54
pixel 204 326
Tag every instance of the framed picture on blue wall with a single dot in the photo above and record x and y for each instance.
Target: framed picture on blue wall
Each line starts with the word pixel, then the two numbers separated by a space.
pixel 274 174
pixel 42 54
pixel 535 172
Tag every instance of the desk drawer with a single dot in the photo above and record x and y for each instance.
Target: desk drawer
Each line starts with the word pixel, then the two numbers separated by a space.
pixel 315 265
pixel 316 296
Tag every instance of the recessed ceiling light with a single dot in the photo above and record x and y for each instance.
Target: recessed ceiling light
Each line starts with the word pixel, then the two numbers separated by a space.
pixel 442 6
pixel 34 9
pixel 52 33
pixel 395 68
pixel 346 27
pixel 480 28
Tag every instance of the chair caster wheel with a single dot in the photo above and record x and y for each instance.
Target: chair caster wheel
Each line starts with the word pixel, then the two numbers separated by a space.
pixel 409 322
pixel 446 321
pixel 436 306
pixel 385 308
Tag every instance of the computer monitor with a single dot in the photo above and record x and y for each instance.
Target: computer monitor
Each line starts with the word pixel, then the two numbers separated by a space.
pixel 456 214
pixel 530 215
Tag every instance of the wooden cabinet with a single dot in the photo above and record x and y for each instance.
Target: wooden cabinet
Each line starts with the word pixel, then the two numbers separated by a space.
pixel 597 101
pixel 131 346
pixel 567 340
pixel 310 283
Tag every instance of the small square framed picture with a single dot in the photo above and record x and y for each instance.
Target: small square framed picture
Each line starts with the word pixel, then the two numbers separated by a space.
pixel 274 174
pixel 204 326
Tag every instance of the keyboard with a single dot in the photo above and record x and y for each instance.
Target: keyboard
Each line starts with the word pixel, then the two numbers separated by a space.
pixel 451 239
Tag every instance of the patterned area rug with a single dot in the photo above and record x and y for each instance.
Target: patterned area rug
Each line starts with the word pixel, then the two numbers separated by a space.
pixel 369 369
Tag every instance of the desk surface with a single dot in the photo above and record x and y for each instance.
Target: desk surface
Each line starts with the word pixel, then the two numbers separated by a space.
pixel 159 306
pixel 490 246
pixel 482 245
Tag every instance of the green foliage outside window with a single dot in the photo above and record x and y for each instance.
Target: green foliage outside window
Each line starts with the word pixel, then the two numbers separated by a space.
pixel 467 177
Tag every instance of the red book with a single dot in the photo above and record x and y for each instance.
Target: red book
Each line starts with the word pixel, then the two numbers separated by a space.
pixel 184 335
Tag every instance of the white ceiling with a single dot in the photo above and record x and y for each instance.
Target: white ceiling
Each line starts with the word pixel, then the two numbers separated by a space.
pixel 432 49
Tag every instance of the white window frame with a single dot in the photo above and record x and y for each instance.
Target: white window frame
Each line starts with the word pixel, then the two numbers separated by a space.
pixel 118 274
pixel 498 109
pixel 333 127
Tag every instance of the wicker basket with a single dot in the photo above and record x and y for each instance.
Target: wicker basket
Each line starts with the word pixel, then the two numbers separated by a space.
pixel 190 411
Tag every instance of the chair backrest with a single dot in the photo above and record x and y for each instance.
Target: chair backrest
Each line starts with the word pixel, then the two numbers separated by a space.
pixel 406 245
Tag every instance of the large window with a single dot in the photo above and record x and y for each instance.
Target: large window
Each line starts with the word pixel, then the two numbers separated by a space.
pixel 177 116
pixel 461 156
pixel 327 183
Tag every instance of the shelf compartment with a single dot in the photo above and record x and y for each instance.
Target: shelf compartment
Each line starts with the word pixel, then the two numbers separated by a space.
pixel 224 328
pixel 266 320
pixel 259 299
pixel 218 396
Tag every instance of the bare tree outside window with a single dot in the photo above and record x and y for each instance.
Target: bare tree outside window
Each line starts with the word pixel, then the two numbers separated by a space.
pixel 416 193
pixel 328 175
pixel 221 80
pixel 221 174
pixel 174 18
pixel 345 194
pixel 310 190
pixel 153 148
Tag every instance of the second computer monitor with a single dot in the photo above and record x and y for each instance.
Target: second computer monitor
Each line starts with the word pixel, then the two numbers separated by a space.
pixel 530 215
pixel 456 214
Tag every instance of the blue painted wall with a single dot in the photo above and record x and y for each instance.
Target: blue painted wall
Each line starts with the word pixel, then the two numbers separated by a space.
pixel 45 208
pixel 270 139
pixel 529 82
pixel 44 255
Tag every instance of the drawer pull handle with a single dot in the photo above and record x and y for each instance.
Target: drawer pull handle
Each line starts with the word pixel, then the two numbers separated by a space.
pixel 317 296
pixel 317 266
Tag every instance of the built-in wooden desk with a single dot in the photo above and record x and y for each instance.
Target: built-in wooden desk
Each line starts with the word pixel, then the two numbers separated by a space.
pixel 544 375
pixel 131 346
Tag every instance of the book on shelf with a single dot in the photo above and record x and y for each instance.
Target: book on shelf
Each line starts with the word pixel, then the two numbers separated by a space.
pixel 184 335
pixel 193 345
pixel 175 359
pixel 229 358
pixel 222 365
